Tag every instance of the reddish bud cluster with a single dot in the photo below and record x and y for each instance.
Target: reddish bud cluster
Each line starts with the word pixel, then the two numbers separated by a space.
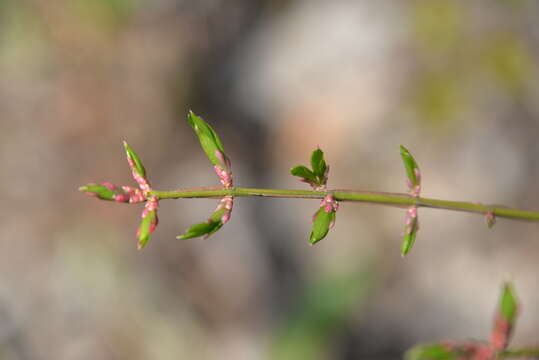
pixel 226 203
pixel 410 220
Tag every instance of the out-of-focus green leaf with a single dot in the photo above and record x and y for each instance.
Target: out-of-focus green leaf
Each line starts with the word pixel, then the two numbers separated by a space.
pixel 439 25
pixel 508 304
pixel 510 62
pixel 324 308
pixel 437 97
pixel 434 352
pixel 105 15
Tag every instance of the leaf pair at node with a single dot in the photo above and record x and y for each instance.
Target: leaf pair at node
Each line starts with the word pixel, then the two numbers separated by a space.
pixel 413 182
pixel 212 146
pixel 317 177
pixel 131 195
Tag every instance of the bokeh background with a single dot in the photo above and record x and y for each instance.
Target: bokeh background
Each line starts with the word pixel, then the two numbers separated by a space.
pixel 456 81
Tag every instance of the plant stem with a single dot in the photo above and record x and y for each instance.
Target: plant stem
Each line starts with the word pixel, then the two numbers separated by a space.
pixel 515 354
pixel 383 198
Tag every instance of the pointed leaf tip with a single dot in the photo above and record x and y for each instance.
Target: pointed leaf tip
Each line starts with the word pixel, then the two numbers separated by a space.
pixel 201 229
pixel 210 142
pixel 508 303
pixel 134 160
pixel 407 243
pixel 412 171
pixel 505 318
pixel 146 228
pixel 410 230
pixel 317 162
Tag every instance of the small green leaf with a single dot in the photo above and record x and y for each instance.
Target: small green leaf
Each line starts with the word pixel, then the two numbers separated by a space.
pixel 317 177
pixel 434 352
pixel 137 163
pixel 410 230
pixel 412 170
pixel 205 228
pixel 408 242
pixel 209 140
pixel 304 173
pixel 508 304
pixel 145 229
pixel 321 224
pixel 319 165
pixel 106 191
pixel 217 215
pixel 98 190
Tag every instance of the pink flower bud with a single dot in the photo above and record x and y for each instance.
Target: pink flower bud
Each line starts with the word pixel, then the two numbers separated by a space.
pixel 109 186
pixel 227 203
pixel 224 176
pixel 490 218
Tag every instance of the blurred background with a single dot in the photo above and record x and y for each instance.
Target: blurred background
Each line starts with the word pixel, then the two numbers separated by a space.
pixel 455 81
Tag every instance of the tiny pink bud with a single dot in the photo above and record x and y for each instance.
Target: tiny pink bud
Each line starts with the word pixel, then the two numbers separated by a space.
pixel 109 186
pixel 329 204
pixel 410 220
pixel 224 176
pixel 223 159
pixel 225 217
pixel 490 218
pixel 227 203
pixel 121 198
pixel 417 175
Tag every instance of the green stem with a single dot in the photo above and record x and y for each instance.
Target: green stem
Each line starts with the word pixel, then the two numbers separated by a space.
pixel 383 198
pixel 515 354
